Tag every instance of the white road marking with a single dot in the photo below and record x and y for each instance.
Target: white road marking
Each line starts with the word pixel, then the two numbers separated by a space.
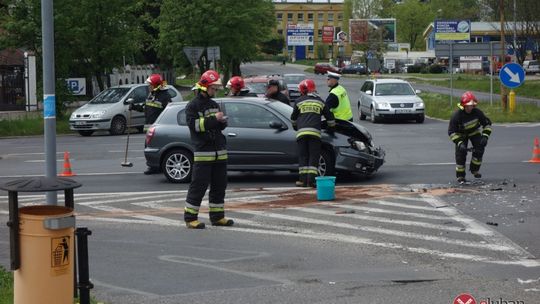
pixel 433 164
pixel 392 204
pixel 42 160
pixel 492 236
pixel 411 235
pixel 378 210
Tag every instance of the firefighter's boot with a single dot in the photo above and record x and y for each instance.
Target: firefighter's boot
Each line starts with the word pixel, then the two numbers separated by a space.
pixel 476 174
pixel 461 180
pixel 223 222
pixel 299 184
pixel 195 225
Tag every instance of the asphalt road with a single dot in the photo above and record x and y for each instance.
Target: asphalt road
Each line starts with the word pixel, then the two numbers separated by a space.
pixel 409 234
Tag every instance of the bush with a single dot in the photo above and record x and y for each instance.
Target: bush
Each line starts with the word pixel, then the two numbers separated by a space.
pixel 414 68
pixel 435 69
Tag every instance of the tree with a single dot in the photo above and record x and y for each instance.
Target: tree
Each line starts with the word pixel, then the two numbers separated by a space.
pixel 273 46
pixel 412 18
pixel 236 28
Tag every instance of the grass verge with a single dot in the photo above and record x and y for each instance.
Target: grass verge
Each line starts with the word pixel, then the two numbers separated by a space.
pixel 6 286
pixel 438 106
pixel 31 126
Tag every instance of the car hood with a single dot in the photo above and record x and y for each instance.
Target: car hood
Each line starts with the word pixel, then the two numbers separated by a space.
pixel 398 98
pixel 92 108
pixel 351 129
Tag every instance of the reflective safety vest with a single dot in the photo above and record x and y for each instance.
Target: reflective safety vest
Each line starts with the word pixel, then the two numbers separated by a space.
pixel 343 110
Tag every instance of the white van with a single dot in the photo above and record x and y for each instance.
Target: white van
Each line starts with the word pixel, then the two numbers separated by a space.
pixel 531 66
pixel 109 110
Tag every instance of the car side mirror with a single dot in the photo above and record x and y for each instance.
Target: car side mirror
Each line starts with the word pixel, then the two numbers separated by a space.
pixel 369 92
pixel 129 100
pixel 277 125
pixel 418 91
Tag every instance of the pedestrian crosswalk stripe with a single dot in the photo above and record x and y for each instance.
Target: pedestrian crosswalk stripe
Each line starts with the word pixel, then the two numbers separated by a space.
pixel 379 210
pixel 400 205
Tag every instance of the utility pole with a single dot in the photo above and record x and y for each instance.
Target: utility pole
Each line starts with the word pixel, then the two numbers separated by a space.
pixel 504 97
pixel 49 97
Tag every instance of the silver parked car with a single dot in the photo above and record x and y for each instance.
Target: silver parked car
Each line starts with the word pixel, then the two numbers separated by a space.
pixel 390 98
pixel 109 110
pixel 260 137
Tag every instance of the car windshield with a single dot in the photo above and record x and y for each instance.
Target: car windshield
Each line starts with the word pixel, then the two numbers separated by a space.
pixel 112 95
pixel 257 87
pixel 385 89
pixel 282 108
pixel 293 79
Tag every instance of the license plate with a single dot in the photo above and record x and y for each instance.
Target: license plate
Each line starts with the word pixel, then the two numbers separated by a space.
pixel 80 123
pixel 403 111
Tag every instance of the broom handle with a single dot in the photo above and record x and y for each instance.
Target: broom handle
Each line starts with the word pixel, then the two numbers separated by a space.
pixel 127 141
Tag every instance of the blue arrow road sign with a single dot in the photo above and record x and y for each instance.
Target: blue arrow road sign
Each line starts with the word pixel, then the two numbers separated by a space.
pixel 512 75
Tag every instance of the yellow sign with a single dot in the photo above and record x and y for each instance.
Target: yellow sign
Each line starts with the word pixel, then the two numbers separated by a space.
pixel 452 36
pixel 60 248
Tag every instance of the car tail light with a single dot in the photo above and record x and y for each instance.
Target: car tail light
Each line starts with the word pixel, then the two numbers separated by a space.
pixel 150 135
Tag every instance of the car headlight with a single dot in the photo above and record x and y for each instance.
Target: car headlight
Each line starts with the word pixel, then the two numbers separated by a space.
pixel 98 114
pixel 419 104
pixel 72 116
pixel 383 104
pixel 358 145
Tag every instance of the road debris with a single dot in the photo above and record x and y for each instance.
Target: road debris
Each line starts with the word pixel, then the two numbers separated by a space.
pixel 492 223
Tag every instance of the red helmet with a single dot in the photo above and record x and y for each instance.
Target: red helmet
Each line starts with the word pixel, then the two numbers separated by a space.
pixel 209 78
pixel 154 80
pixel 306 86
pixel 468 99
pixel 236 82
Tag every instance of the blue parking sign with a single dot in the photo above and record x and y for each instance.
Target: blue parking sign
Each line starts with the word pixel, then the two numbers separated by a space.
pixel 512 75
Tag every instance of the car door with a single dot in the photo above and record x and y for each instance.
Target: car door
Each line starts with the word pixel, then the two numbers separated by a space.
pixel 251 142
pixel 365 99
pixel 139 95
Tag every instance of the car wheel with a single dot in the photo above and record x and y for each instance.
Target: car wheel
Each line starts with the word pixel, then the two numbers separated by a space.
pixel 86 132
pixel 327 163
pixel 177 165
pixel 118 125
pixel 372 116
pixel 420 119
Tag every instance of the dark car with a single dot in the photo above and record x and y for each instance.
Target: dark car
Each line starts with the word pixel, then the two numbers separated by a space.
pixel 292 81
pixel 354 69
pixel 323 68
pixel 260 137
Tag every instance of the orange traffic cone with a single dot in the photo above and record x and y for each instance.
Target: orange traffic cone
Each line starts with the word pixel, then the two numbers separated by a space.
pixel 536 152
pixel 67 166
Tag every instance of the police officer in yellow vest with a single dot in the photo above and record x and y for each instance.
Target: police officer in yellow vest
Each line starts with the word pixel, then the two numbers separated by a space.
pixel 338 100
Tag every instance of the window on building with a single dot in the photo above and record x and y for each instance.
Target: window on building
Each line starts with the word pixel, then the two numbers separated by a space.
pixel 300 16
pixel 290 48
pixel 319 33
pixel 338 29
pixel 340 17
pixel 310 17
pixel 330 17
pixel 279 16
pixel 477 39
pixel 289 17
pixel 310 48
pixel 321 17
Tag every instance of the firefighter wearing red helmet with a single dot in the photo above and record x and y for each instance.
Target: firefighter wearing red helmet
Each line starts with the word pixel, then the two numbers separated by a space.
pixel 206 121
pixel 156 101
pixel 236 87
pixel 468 123
pixel 306 119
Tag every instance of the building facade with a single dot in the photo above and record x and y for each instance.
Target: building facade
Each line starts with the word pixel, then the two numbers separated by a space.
pixel 312 14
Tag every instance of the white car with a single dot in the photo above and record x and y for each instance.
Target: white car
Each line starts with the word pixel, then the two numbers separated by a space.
pixel 390 98
pixel 109 110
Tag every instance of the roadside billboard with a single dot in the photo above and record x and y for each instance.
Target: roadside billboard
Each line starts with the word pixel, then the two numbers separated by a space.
pixel 360 28
pixel 456 31
pixel 300 34
pixel 327 34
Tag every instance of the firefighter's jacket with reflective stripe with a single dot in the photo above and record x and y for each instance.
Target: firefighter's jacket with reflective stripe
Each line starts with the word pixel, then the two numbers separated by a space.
pixel 156 101
pixel 205 129
pixel 306 115
pixel 463 125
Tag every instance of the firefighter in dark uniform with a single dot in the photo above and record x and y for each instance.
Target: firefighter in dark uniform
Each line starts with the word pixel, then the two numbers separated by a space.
pixel 156 101
pixel 206 121
pixel 272 91
pixel 306 119
pixel 338 100
pixel 237 87
pixel 469 123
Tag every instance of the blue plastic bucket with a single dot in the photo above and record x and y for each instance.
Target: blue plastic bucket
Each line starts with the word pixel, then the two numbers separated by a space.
pixel 326 186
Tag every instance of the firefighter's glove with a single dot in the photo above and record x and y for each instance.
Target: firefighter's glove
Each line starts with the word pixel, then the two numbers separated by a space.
pixel 462 147
pixel 295 127
pixel 484 141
